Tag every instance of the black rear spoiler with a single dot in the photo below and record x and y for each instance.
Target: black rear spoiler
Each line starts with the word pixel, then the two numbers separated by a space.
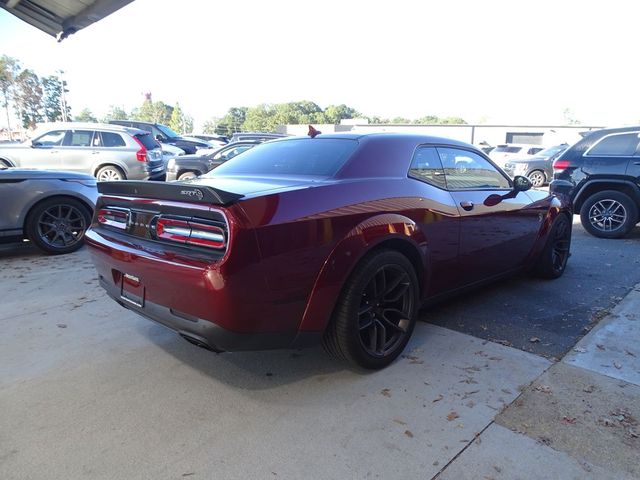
pixel 179 192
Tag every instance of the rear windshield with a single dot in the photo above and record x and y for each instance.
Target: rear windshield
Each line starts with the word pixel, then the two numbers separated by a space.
pixel 506 149
pixel 147 140
pixel 317 157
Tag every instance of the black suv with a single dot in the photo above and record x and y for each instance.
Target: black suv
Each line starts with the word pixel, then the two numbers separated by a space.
pixel 164 134
pixel 601 174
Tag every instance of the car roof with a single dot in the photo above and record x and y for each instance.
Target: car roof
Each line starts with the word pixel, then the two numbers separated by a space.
pixel 90 126
pixel 398 136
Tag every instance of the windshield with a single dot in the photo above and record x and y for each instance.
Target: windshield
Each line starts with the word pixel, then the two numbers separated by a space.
pixel 167 131
pixel 548 152
pixel 317 157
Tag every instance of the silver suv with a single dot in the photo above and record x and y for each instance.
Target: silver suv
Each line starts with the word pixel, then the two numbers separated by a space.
pixel 109 152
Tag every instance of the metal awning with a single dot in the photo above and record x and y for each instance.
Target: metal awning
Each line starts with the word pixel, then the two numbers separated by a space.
pixel 61 18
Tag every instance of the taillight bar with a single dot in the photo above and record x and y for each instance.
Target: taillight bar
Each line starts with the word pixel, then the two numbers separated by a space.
pixel 561 164
pixel 113 217
pixel 190 232
pixel 141 155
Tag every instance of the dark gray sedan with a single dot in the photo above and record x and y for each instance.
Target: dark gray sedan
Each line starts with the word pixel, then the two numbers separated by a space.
pixel 538 168
pixel 52 209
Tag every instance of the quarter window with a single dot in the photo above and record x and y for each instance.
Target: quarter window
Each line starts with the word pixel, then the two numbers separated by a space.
pixel 466 170
pixel 621 145
pixel 79 138
pixel 427 167
pixel 110 139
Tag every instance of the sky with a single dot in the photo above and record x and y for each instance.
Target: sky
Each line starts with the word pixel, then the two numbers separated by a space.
pixel 496 62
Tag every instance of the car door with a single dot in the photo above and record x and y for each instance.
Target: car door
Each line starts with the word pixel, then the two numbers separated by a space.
pixel 44 152
pixel 498 226
pixel 77 152
pixel 633 168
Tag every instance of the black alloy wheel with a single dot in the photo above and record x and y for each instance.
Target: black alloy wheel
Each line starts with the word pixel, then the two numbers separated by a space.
pixel 537 178
pixel 553 259
pixel 376 312
pixel 609 214
pixel 57 226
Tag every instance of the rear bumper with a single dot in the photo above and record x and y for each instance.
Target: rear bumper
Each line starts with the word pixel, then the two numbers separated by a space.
pixel 209 335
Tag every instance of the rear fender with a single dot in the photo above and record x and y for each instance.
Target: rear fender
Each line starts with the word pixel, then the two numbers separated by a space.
pixel 375 232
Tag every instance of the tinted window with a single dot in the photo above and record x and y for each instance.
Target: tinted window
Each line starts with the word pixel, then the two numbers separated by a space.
pixel 427 167
pixel 322 157
pixel 466 170
pixel 624 144
pixel 51 139
pixel 79 138
pixel 231 152
pixel 147 140
pixel 110 139
pixel 506 149
pixel 167 132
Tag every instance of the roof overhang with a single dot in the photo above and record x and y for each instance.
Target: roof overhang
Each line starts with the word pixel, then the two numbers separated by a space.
pixel 61 18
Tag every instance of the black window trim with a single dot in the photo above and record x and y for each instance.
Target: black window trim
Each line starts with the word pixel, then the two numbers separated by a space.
pixel 68 137
pixel 422 180
pixel 601 139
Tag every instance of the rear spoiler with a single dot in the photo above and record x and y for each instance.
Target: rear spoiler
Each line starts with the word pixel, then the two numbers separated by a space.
pixel 179 192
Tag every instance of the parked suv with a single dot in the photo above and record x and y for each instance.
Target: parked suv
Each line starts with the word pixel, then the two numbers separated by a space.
pixel 164 134
pixel 537 168
pixel 601 174
pixel 108 152
pixel 261 136
pixel 507 151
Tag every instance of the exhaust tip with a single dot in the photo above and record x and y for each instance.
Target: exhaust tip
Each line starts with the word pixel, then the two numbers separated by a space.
pixel 198 342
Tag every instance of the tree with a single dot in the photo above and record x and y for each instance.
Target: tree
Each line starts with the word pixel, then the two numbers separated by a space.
pixel 28 98
pixel 9 70
pixel 335 113
pixel 210 126
pixel 115 113
pixel 154 112
pixel 178 121
pixel 86 116
pixel 52 99
pixel 232 122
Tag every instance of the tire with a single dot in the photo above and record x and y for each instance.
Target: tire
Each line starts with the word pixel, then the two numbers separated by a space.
pixel 57 225
pixel 187 175
pixel 376 311
pixel 110 173
pixel 552 261
pixel 609 214
pixel 537 178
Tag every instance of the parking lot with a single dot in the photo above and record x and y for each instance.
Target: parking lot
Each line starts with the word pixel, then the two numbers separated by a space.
pixel 90 389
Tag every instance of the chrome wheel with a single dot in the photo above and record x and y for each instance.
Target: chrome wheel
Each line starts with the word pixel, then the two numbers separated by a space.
pixel 537 178
pixel 61 226
pixel 385 310
pixel 109 174
pixel 607 215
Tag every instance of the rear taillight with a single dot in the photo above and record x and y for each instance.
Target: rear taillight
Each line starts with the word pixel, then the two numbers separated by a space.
pixel 560 165
pixel 191 232
pixel 113 217
pixel 141 155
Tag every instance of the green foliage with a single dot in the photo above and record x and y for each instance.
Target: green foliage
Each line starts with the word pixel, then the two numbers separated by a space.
pixel 86 115
pixel 232 122
pixel 9 70
pixel 28 98
pixel 115 113
pixel 155 112
pixel 180 122
pixel 334 113
pixel 52 97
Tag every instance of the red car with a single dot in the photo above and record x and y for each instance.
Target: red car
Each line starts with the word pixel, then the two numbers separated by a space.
pixel 336 239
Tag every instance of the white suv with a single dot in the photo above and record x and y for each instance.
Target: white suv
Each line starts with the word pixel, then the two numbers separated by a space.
pixel 507 151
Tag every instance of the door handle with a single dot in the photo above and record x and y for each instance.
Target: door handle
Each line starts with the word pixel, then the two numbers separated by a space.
pixel 467 206
pixel 636 163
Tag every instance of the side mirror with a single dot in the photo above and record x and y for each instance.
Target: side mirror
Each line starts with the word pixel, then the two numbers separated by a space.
pixel 34 144
pixel 521 184
pixel 160 138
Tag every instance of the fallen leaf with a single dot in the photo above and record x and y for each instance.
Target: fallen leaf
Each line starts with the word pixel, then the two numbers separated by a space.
pixel 534 339
pixel 600 347
pixel 408 433
pixel 570 420
pixel 580 350
pixel 400 422
pixel 629 353
pixel 440 397
pixel 386 392
pixel 452 416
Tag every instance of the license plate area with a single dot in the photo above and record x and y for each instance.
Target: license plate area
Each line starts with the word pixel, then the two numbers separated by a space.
pixel 131 290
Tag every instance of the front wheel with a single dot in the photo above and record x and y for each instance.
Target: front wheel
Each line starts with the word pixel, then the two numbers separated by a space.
pixel 57 225
pixel 187 175
pixel 552 261
pixel 608 214
pixel 537 178
pixel 110 173
pixel 376 312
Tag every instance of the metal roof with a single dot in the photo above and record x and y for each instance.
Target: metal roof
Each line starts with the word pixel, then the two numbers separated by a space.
pixel 61 18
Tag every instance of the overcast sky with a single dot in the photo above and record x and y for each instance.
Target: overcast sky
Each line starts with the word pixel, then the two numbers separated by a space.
pixel 519 62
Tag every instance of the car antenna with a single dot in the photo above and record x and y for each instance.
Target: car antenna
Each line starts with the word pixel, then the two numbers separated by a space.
pixel 313 132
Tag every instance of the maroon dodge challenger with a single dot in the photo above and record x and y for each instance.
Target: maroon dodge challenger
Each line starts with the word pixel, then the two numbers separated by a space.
pixel 337 239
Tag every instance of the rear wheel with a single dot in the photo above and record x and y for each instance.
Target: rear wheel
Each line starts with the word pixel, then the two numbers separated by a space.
pixel 376 312
pixel 57 225
pixel 609 214
pixel 187 175
pixel 110 173
pixel 553 259
pixel 537 178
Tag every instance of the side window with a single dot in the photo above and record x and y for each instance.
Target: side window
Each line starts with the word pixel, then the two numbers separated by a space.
pixel 110 139
pixel 50 139
pixel 466 170
pixel 623 145
pixel 427 167
pixel 79 138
